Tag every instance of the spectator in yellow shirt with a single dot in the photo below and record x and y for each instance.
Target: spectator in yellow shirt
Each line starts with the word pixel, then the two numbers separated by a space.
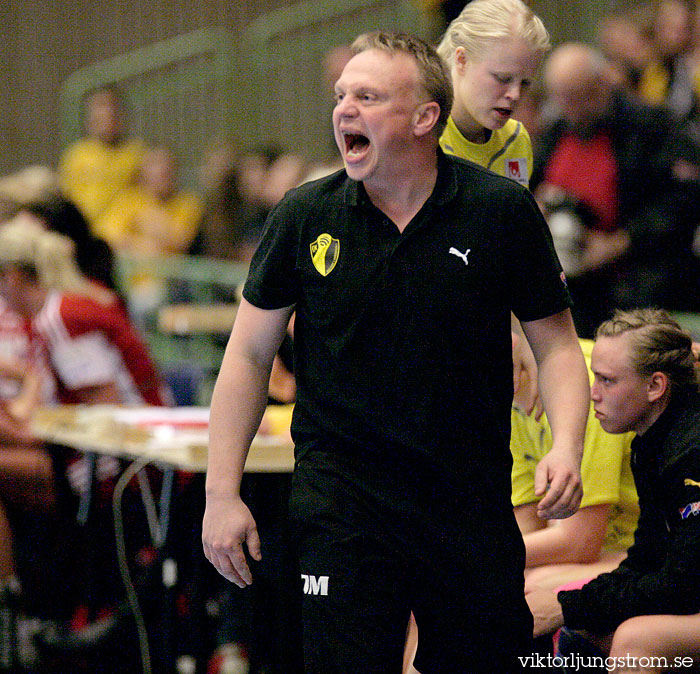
pixel 96 168
pixel 154 216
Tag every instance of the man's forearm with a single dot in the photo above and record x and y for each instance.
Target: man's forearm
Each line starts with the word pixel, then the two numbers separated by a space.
pixel 564 387
pixel 562 380
pixel 240 394
pixel 237 406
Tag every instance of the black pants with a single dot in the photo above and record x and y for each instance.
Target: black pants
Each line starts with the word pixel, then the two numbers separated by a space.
pixel 369 557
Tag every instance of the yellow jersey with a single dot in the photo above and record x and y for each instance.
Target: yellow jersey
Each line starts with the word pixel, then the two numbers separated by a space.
pixel 507 152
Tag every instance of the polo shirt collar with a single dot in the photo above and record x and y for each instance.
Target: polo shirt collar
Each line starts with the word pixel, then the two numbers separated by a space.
pixel 444 191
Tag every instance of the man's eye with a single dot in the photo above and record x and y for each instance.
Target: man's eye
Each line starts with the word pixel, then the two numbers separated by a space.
pixel 502 79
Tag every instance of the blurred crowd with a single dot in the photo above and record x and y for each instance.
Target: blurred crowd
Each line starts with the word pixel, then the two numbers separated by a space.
pixel 615 134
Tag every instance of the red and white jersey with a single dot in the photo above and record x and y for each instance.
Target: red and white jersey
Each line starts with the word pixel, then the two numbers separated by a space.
pixel 91 344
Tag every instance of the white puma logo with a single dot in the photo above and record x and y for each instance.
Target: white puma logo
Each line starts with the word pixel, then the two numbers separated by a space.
pixel 454 251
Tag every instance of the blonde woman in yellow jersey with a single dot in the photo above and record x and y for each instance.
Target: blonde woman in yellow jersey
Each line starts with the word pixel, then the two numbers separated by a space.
pixel 494 49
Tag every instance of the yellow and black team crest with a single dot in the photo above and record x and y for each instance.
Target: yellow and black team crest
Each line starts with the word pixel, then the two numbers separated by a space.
pixel 324 253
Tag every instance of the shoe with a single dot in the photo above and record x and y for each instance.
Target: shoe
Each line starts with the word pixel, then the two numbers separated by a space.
pixel 229 659
pixel 59 637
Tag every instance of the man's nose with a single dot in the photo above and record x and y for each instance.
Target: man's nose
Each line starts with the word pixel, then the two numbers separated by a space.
pixel 346 106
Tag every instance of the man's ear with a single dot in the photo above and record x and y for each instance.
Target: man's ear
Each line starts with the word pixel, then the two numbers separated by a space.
pixel 425 118
pixel 657 386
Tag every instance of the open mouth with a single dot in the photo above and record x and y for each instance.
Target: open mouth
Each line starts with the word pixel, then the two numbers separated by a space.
pixel 355 144
pixel 504 112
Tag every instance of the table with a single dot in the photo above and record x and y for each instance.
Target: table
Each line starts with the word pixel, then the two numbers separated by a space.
pixel 190 318
pixel 172 438
pixel 175 436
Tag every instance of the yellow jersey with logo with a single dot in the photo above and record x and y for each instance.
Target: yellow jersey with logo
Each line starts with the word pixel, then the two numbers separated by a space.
pixel 605 469
pixel 507 152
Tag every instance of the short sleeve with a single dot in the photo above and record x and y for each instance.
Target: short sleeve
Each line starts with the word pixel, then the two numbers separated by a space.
pixel 273 280
pixel 536 280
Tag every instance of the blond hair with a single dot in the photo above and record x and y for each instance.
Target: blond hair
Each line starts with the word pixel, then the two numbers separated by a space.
pixel 483 22
pixel 25 243
pixel 435 77
pixel 657 344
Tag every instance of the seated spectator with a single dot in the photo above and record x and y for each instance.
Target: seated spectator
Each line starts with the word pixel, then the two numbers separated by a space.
pixel 266 173
pixel 240 189
pixel 671 76
pixel 621 168
pixel 624 34
pixel 96 168
pixel 94 256
pixel 154 217
pixel 646 381
pixel 224 213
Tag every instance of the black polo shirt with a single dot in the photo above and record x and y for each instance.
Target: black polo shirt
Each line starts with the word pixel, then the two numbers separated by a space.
pixel 402 340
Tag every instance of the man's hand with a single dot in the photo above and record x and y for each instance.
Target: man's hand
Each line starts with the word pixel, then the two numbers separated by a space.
pixel 227 525
pixel 545 610
pixel 558 481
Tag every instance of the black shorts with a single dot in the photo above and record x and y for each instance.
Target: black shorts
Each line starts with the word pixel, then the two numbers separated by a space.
pixel 368 557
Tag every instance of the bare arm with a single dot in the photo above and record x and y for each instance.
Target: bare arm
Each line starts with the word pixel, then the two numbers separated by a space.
pixel 575 540
pixel 526 517
pixel 237 406
pixel 99 394
pixel 524 372
pixel 563 385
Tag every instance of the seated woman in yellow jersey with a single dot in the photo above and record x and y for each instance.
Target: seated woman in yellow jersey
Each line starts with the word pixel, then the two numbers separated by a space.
pixel 494 49
pixel 596 538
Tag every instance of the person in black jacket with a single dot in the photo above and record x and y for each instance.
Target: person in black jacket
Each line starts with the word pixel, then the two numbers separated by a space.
pixel 646 381
pixel 630 176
